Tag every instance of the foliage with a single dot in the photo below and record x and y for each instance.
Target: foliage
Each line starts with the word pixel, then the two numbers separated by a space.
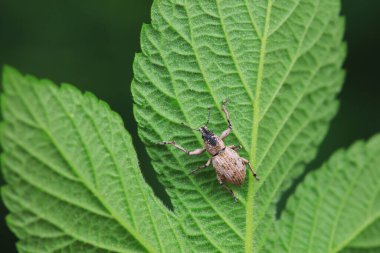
pixel 73 182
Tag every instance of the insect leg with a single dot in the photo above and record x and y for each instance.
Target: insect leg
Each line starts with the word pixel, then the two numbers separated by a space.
pixel 194 152
pixel 202 166
pixel 245 161
pixel 227 188
pixel 234 147
pixel 229 129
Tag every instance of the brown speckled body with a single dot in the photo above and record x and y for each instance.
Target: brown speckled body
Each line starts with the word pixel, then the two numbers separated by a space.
pixel 229 166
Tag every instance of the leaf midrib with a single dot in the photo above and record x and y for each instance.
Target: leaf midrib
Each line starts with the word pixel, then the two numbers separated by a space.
pixel 296 57
pixel 256 115
pixel 140 188
pixel 33 154
pixel 286 174
pixel 288 115
pixel 316 212
pixel 360 229
pixel 117 166
pixel 134 233
pixel 351 187
pixel 370 220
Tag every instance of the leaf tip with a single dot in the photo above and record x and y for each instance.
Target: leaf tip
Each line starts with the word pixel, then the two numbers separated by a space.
pixel 7 69
pixel 9 73
pixel 66 87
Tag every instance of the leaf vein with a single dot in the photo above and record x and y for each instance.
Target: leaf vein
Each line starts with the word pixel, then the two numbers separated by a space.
pixel 128 228
pixel 256 114
pixel 232 54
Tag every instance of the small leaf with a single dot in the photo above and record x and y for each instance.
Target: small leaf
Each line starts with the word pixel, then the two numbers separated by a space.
pixel 279 63
pixel 337 208
pixel 73 181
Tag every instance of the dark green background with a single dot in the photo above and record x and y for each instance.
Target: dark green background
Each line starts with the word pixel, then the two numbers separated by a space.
pixel 91 43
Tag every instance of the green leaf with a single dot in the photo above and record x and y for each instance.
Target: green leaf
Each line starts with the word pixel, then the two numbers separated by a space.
pixel 73 181
pixel 279 63
pixel 337 208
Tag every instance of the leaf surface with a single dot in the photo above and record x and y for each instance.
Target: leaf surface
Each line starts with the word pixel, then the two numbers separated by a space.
pixel 73 181
pixel 279 63
pixel 336 208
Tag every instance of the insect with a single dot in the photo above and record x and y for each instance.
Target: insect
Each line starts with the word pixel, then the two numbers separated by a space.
pixel 228 165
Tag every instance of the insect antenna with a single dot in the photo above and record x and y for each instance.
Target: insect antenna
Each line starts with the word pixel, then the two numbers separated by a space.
pixel 194 129
pixel 209 114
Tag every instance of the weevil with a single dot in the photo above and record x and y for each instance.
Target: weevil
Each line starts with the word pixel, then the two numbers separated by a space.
pixel 229 166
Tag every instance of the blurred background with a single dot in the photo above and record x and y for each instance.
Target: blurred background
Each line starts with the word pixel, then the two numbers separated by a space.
pixel 91 44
